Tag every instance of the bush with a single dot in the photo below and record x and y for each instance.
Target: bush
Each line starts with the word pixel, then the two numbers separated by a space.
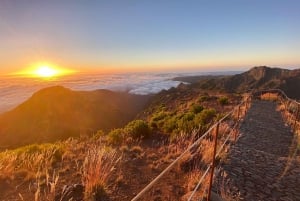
pixel 158 116
pixel 188 116
pixel 205 117
pixel 203 98
pixel 115 136
pixel 223 100
pixel 98 135
pixel 137 129
pixel 170 124
pixel 196 108
pixel 186 123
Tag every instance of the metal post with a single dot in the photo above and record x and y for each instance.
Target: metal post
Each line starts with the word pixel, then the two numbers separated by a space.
pixel 238 116
pixel 289 118
pixel 213 163
pixel 247 105
pixel 238 120
pixel 296 118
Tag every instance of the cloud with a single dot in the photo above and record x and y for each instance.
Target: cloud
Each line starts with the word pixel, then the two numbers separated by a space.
pixel 15 90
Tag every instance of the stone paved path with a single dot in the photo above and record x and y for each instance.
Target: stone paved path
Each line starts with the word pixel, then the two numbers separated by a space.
pixel 264 163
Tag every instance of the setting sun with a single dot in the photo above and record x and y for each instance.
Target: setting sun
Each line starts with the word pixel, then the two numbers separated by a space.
pixel 46 71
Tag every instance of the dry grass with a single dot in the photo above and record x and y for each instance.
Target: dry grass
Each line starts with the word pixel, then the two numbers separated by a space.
pixel 39 166
pixel 136 149
pixel 269 97
pixel 31 159
pixel 192 181
pixel 289 113
pixel 98 164
pixel 47 168
pixel 46 186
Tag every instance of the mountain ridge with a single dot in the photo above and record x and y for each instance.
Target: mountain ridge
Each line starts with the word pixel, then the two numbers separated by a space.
pixel 260 77
pixel 57 113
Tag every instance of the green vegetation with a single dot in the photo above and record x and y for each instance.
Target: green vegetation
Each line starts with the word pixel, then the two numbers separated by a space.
pixel 196 108
pixel 115 136
pixel 137 129
pixel 203 98
pixel 99 134
pixel 58 148
pixel 223 100
pixel 205 117
pixel 182 121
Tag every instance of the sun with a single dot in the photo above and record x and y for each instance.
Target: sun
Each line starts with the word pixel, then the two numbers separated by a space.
pixel 46 71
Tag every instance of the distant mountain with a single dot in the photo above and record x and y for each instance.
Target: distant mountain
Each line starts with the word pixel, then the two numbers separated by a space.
pixel 57 113
pixel 265 78
pixel 261 77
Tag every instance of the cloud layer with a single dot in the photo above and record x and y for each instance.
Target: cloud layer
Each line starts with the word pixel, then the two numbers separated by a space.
pixel 15 90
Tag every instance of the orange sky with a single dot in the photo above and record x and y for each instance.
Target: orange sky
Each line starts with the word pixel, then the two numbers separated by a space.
pixel 146 36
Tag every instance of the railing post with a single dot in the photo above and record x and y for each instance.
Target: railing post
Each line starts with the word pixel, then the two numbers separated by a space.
pixel 247 104
pixel 289 118
pixel 296 117
pixel 213 162
pixel 238 120
pixel 238 115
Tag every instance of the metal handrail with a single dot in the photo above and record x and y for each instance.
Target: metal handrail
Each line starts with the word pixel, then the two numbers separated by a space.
pixel 154 181
pixel 216 152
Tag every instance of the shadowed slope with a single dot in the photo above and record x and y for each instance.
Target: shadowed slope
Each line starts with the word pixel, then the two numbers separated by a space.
pixel 57 113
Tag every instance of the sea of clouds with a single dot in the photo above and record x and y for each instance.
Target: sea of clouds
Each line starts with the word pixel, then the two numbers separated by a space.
pixel 15 90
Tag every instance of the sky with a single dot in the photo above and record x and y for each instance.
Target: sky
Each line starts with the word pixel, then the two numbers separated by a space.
pixel 137 35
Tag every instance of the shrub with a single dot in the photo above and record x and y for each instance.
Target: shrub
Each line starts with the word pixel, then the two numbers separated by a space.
pixel 205 117
pixel 159 116
pixel 203 98
pixel 137 129
pixel 196 108
pixel 158 119
pixel 188 116
pixel 115 136
pixel 170 124
pixel 186 122
pixel 223 100
pixel 98 135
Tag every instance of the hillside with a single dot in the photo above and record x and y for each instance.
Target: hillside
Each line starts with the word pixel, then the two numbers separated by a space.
pixel 117 164
pixel 261 77
pixel 265 78
pixel 58 113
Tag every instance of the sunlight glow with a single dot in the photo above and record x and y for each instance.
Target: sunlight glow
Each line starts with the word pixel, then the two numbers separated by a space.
pixel 46 71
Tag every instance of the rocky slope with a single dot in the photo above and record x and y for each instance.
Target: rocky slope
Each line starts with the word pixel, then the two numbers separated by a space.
pixel 261 77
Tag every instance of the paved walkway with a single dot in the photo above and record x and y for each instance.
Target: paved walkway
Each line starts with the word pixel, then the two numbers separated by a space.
pixel 263 165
